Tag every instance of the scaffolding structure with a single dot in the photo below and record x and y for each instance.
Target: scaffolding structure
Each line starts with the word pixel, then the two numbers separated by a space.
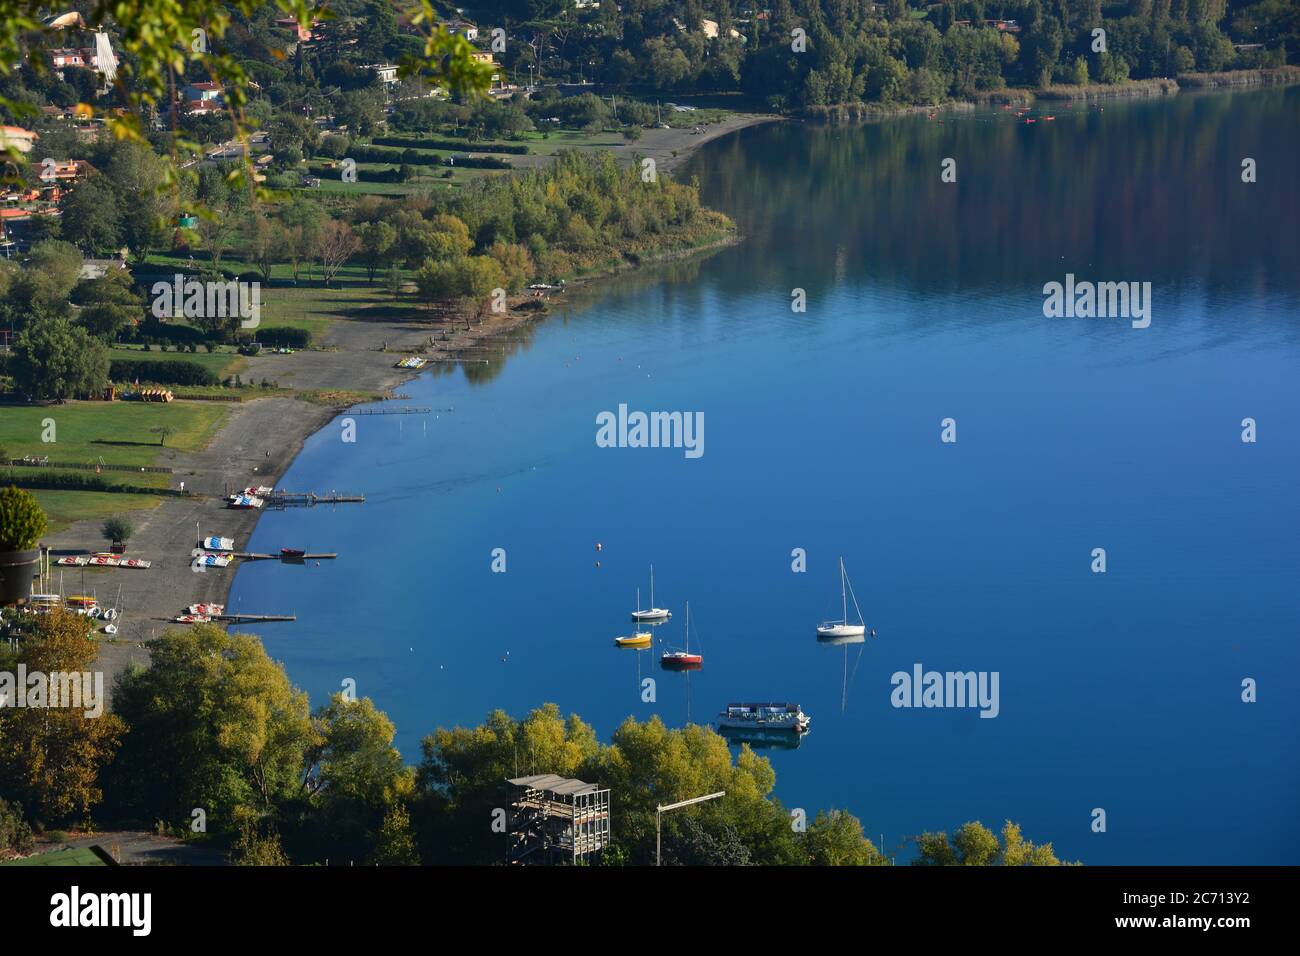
pixel 557 820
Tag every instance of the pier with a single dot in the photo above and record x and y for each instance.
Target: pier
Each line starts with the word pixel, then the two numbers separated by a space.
pixel 253 618
pixel 291 558
pixel 308 499
pixel 417 410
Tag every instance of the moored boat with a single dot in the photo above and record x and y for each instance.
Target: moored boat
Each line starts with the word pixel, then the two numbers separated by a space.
pixel 651 613
pixel 764 716
pixel 843 627
pixel 683 660
pixel 637 639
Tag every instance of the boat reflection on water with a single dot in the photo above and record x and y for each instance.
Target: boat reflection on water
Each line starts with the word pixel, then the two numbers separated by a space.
pixel 845 640
pixel 763 738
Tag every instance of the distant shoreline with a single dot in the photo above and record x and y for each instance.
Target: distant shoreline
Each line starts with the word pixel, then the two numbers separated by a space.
pixel 1226 80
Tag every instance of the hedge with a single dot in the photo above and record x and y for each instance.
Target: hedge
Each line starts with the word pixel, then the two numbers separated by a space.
pixel 458 145
pixel 78 481
pixel 411 157
pixel 284 336
pixel 176 372
pixel 363 175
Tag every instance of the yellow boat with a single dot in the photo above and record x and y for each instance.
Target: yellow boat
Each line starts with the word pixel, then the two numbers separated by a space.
pixel 639 639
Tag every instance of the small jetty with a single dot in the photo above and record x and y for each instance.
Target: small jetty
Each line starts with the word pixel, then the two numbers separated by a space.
pixel 309 499
pixel 253 618
pixel 257 556
pixel 404 410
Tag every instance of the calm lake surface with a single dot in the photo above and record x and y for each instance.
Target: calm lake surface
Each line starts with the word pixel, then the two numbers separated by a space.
pixel 1120 691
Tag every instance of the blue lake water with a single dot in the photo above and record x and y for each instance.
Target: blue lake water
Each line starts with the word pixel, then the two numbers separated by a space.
pixel 1119 691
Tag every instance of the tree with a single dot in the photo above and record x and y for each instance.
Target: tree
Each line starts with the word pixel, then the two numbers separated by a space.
pixel 54 360
pixel 51 756
pixel 90 216
pixel 108 304
pixel 15 833
pixel 395 841
pixel 450 237
pixel 377 241
pixel 516 263
pixel 117 530
pixel 264 243
pixel 974 844
pixel 257 848
pixel 337 244
pixel 214 723
pixel 693 844
pixel 836 839
pixel 303 223
pixel 137 173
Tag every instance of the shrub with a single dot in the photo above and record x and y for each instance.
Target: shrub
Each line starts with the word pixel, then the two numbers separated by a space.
pixel 117 529
pixel 169 372
pixel 284 335
pixel 15 834
pixel 22 522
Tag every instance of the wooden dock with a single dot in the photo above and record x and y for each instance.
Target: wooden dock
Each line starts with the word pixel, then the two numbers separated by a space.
pixel 253 618
pixel 406 410
pixel 257 556
pixel 308 499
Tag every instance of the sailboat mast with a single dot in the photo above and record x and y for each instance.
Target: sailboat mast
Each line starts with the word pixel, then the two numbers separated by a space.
pixel 844 596
pixel 652 585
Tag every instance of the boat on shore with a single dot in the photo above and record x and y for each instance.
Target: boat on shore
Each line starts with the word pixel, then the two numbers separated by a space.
pixel 843 627
pixel 651 613
pixel 215 543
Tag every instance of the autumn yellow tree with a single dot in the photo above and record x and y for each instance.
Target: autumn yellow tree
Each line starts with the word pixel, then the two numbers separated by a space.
pixel 51 756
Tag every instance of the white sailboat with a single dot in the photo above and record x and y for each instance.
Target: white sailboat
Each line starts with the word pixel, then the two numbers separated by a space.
pixel 651 613
pixel 842 627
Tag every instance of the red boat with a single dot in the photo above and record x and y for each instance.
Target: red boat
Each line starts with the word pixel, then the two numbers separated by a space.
pixel 292 552
pixel 683 660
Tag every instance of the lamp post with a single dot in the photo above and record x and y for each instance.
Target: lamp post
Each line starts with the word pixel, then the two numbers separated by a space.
pixel 662 809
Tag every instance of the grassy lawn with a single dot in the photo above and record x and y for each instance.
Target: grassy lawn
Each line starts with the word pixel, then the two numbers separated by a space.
pixel 312 307
pixel 124 425
pixel 120 433
pixel 570 139
pixel 64 507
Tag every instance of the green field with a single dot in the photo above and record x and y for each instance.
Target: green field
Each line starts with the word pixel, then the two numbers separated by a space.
pixel 119 433
pixel 64 507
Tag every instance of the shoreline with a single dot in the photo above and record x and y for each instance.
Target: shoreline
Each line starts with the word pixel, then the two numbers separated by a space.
pixel 260 439
pixel 1223 81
